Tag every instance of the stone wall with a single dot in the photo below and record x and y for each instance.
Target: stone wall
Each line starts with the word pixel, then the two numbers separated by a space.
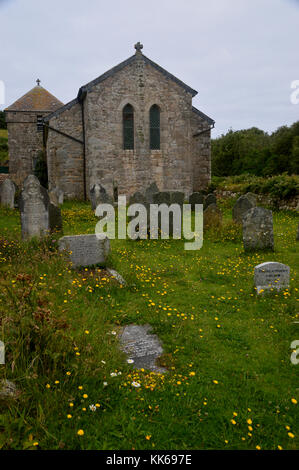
pixel 64 155
pixel 24 143
pixel 201 153
pixel 291 204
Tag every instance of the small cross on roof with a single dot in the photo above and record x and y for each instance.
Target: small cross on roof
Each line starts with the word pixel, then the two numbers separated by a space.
pixel 38 82
pixel 138 46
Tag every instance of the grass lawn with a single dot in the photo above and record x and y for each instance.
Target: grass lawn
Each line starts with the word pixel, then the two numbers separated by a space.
pixel 230 385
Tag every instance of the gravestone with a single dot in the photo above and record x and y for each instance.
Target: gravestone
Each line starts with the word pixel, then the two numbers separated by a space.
pixel 138 198
pixel 150 191
pixel 196 198
pixel 34 209
pixel 209 199
pixel 242 205
pixel 7 193
pixel 212 217
pixel 55 219
pixel 141 346
pixel 99 195
pixel 252 198
pixel 85 250
pixel 258 229
pixel 56 196
pixel 271 276
pixel 168 198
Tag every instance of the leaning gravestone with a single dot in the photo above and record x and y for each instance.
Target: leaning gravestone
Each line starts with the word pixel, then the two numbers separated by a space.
pixel 99 195
pixel 271 276
pixel 34 209
pixel 142 347
pixel 7 193
pixel 258 229
pixel 242 205
pixel 212 217
pixel 196 198
pixel 209 199
pixel 85 250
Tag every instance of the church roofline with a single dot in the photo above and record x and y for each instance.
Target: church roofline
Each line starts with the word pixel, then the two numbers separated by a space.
pixel 129 61
pixel 203 116
pixel 86 88
pixel 67 106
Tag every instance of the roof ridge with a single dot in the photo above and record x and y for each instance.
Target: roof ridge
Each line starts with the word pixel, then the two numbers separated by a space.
pixel 203 115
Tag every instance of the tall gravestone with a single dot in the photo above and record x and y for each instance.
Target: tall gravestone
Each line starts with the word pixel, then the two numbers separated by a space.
pixel 34 209
pixel 7 193
pixel 85 250
pixel 258 229
pixel 271 276
pixel 99 195
pixel 242 205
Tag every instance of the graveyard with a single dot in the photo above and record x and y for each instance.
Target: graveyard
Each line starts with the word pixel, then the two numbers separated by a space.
pixel 185 350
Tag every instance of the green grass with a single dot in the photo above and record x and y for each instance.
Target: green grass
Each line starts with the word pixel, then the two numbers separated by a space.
pixel 203 307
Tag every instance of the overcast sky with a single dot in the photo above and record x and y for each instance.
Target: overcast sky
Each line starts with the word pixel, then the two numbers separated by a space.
pixel 240 55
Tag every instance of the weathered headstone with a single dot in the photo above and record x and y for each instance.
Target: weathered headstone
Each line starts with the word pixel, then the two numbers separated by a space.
pixel 85 250
pixel 55 219
pixel 252 197
pixel 258 229
pixel 142 347
pixel 7 193
pixel 271 276
pixel 169 197
pixel 34 209
pixel 56 196
pixel 196 198
pixel 150 191
pixel 212 217
pixel 209 199
pixel 99 195
pixel 242 205
pixel 138 198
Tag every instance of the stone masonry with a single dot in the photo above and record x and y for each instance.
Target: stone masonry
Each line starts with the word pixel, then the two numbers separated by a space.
pixel 183 161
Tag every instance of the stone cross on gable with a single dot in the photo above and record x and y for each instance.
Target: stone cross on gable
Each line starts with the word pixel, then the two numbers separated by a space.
pixel 138 46
pixel 38 82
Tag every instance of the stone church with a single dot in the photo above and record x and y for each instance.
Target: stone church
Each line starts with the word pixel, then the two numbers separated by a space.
pixel 130 127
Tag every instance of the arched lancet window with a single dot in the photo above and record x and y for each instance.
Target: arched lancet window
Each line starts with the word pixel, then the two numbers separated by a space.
pixel 155 127
pixel 128 127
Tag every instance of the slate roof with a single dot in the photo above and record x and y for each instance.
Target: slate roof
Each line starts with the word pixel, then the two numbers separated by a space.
pixel 203 116
pixel 37 99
